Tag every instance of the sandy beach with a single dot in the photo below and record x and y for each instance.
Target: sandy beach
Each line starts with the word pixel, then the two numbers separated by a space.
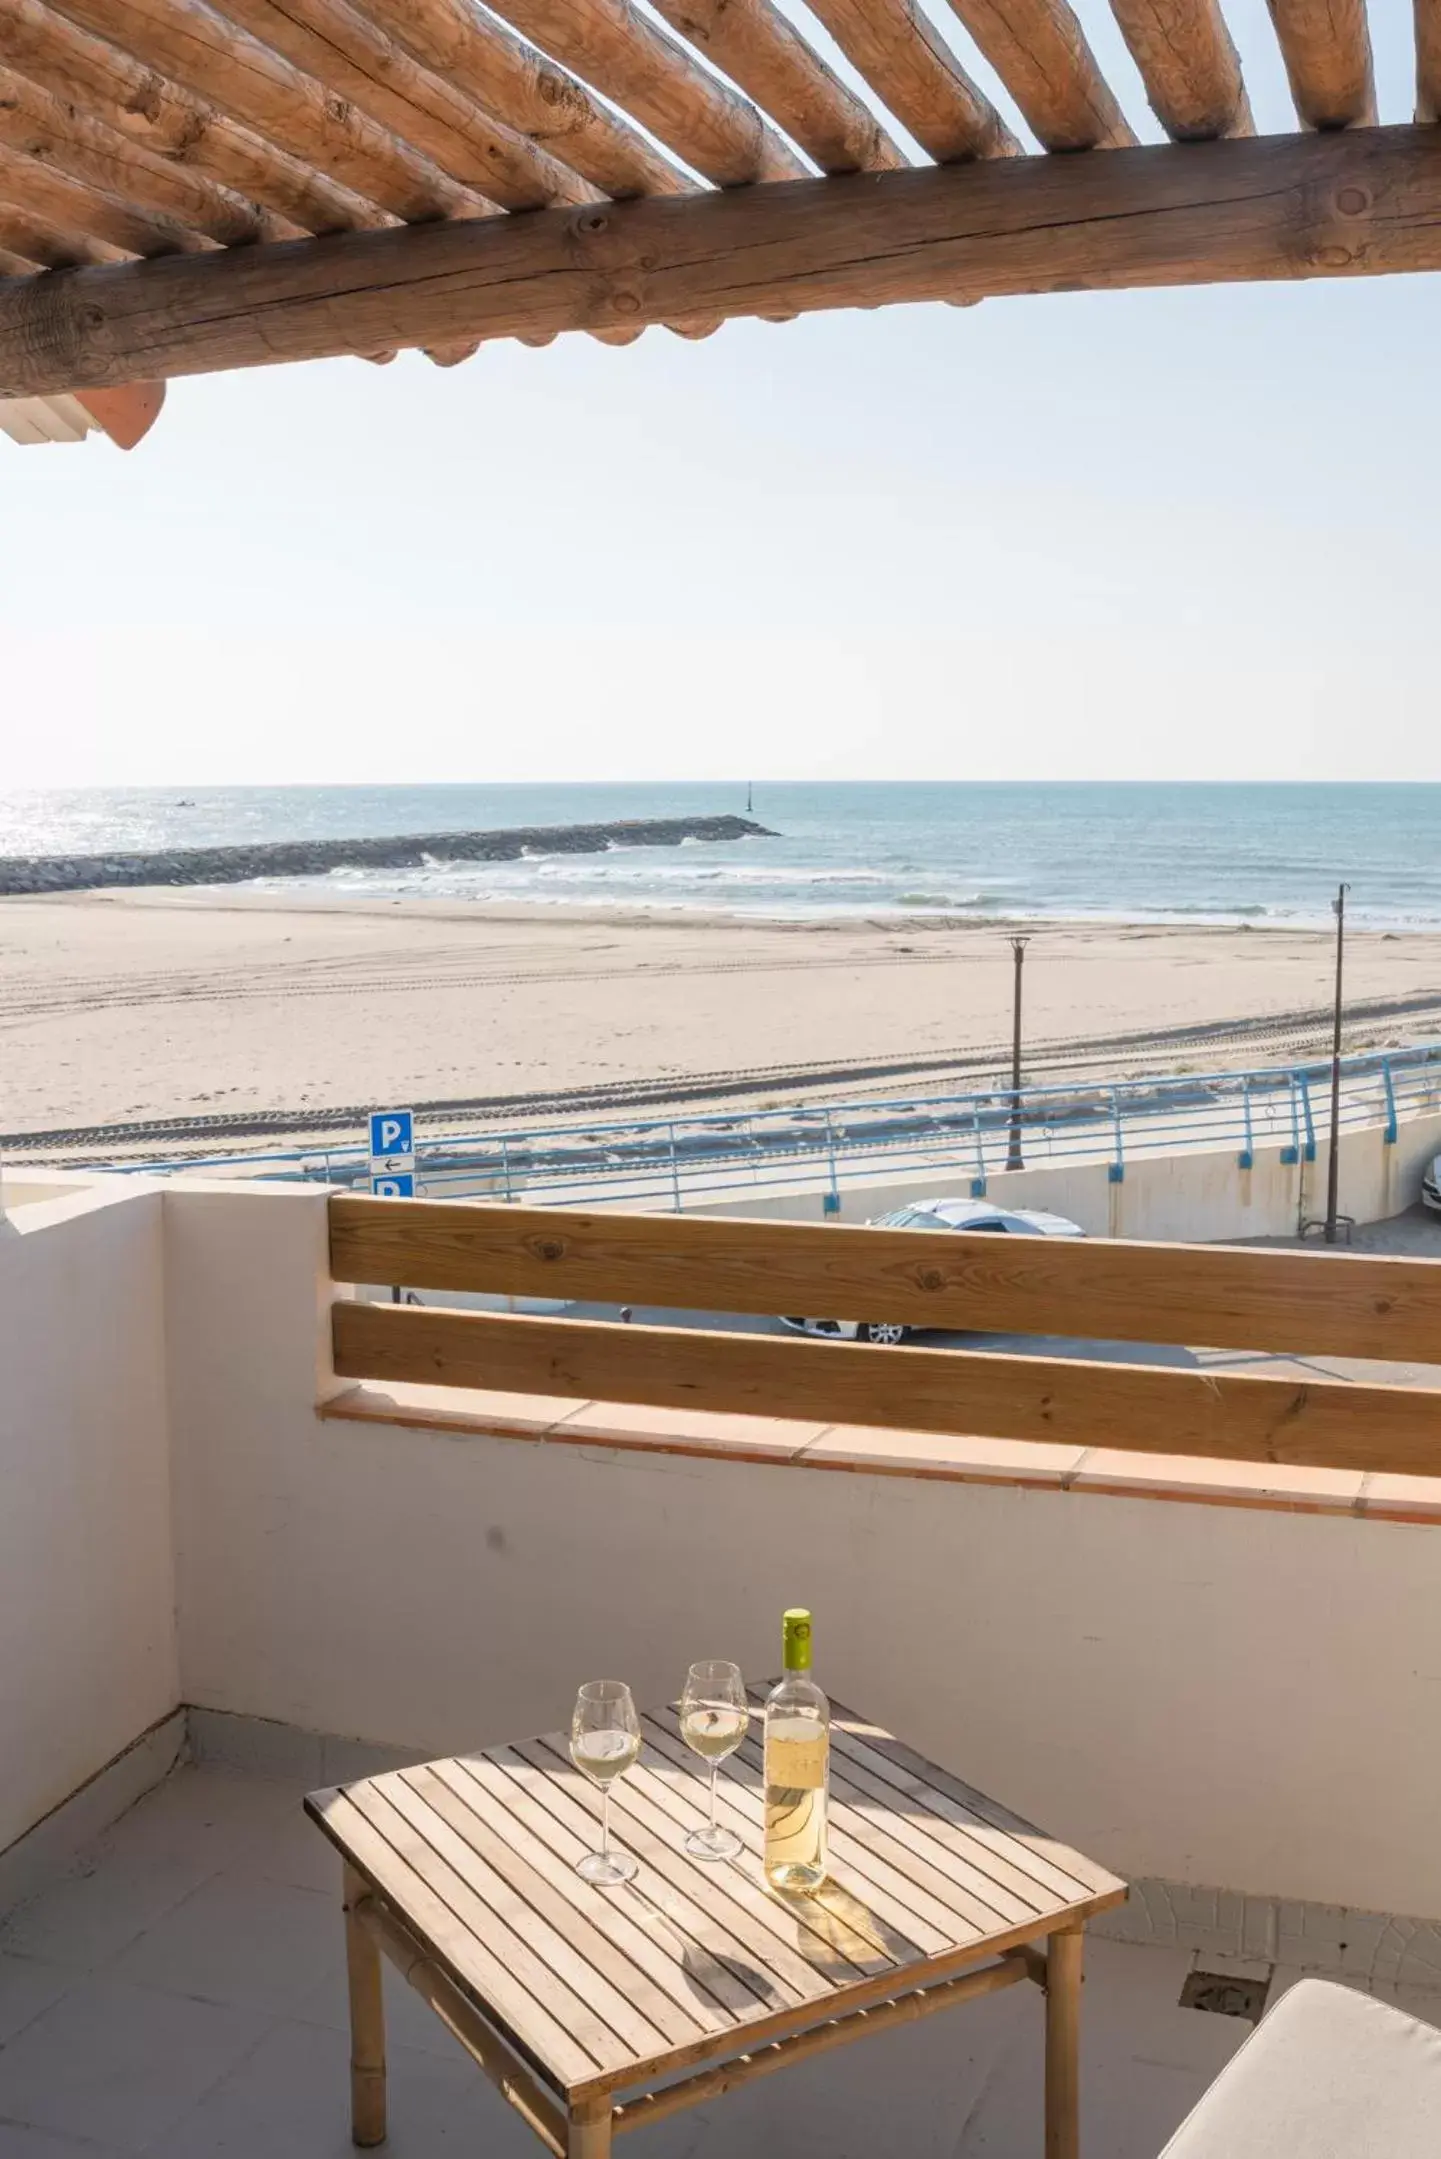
pixel 143 1005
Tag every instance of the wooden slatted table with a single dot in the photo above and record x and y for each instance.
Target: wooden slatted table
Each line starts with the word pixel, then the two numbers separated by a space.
pixel 596 2010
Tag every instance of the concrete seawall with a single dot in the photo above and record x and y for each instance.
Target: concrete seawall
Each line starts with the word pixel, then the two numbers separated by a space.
pixel 29 874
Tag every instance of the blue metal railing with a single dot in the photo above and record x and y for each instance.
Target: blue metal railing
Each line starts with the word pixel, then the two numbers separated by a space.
pixel 677 1162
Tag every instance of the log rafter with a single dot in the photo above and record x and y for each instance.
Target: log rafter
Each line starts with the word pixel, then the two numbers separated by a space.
pixel 483 56
pixel 1428 59
pixel 146 106
pixel 1326 45
pixel 335 42
pixel 73 206
pixel 903 57
pixel 216 60
pixel 753 43
pixel 1039 50
pixel 1189 65
pixel 629 58
pixel 43 126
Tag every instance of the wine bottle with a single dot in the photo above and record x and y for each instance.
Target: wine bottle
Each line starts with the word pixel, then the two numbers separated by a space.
pixel 797 1767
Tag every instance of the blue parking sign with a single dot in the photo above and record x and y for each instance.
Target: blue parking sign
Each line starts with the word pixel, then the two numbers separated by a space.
pixel 397 1184
pixel 392 1132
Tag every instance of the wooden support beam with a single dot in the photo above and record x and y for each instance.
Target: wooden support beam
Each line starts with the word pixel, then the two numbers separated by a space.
pixel 45 246
pixel 148 108
pixel 1189 65
pixel 897 48
pixel 627 57
pixel 75 207
pixel 759 48
pixel 42 126
pixel 1039 50
pixel 482 56
pixel 1326 45
pixel 1428 59
pixel 211 58
pixel 1214 1296
pixel 1356 204
pixel 1151 1409
pixel 343 48
pixel 712 2084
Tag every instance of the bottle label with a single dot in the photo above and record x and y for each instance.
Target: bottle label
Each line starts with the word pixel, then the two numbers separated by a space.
pixel 797 1764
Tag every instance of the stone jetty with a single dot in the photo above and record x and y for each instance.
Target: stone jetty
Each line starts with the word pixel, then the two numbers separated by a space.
pixel 28 874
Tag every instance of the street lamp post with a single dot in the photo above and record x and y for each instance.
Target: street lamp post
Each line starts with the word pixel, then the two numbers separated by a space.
pixel 1333 1166
pixel 1014 1158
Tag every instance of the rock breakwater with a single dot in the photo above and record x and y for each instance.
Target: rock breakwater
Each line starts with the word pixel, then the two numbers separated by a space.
pixel 31 874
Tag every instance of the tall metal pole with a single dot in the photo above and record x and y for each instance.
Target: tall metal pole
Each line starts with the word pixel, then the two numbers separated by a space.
pixel 1333 1167
pixel 1014 1157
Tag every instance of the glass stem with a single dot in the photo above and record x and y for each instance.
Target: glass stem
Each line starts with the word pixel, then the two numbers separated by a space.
pixel 714 1773
pixel 605 1821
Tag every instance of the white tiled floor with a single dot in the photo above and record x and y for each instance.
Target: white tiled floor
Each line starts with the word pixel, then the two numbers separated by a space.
pixel 181 1994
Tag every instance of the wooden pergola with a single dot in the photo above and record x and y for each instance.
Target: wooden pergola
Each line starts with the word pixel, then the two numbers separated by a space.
pixel 185 187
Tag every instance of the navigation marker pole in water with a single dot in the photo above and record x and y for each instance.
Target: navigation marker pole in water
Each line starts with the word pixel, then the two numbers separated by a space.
pixel 1333 1167
pixel 1014 1158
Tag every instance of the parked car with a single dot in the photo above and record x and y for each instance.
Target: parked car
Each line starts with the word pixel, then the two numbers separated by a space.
pixel 1431 1186
pixel 967 1214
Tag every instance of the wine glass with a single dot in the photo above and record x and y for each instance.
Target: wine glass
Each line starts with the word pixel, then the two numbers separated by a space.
pixel 604 1744
pixel 713 1719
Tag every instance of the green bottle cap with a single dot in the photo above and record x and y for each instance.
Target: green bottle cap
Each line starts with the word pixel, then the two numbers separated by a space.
pixel 797 1627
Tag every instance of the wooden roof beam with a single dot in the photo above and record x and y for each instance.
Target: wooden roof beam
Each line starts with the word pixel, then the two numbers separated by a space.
pixel 629 58
pixel 1189 65
pixel 210 57
pixel 1362 202
pixel 74 207
pixel 483 56
pixel 753 43
pixel 60 134
pixel 1326 45
pixel 347 51
pixel 1428 59
pixel 1039 50
pixel 149 108
pixel 898 50
pixel 44 247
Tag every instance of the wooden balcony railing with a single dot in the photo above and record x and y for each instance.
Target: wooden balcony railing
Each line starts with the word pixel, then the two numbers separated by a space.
pixel 1296 1303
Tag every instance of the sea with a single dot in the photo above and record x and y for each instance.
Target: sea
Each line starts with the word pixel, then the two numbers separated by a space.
pixel 1087 851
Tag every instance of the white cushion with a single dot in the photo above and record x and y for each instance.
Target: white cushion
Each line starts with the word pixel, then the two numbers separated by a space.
pixel 1327 2074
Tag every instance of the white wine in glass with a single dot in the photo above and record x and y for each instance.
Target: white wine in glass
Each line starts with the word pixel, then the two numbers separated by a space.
pixel 713 1719
pixel 604 1744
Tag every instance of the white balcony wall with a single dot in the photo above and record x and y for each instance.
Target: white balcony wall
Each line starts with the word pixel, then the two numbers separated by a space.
pixel 1212 1694
pixel 87 1600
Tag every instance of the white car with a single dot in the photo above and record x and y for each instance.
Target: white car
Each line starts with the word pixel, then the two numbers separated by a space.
pixel 967 1214
pixel 1431 1186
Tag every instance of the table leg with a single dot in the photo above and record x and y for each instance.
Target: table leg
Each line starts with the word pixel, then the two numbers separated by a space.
pixel 367 2021
pixel 588 2135
pixel 1063 2033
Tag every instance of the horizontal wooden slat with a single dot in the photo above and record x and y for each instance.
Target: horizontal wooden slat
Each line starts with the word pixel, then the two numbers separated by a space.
pixel 703 2090
pixel 1356 203
pixel 1323 1424
pixel 1218 1297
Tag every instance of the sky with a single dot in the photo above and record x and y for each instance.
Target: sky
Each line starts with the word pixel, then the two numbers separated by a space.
pixel 1172 535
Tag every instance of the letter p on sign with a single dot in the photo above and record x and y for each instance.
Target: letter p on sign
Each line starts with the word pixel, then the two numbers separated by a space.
pixel 392 1133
